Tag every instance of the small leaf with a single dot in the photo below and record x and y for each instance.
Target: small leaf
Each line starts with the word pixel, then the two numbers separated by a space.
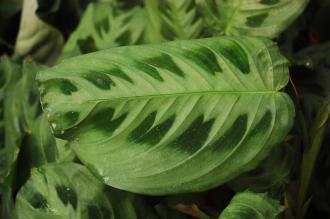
pixel 248 205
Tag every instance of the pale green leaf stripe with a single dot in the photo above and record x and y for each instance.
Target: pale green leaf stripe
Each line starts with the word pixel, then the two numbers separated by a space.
pixel 172 117
pixel 247 205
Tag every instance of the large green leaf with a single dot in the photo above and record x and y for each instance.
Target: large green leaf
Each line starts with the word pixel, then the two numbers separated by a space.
pixel 172 19
pixel 102 26
pixel 171 117
pixel 266 18
pixel 248 205
pixel 70 191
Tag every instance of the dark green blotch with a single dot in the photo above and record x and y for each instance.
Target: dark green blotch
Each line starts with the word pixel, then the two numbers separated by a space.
pixel 87 45
pixel 38 201
pixel 100 80
pixel 154 135
pixel 148 69
pixel 256 20
pixel 205 58
pixel 232 136
pixel 65 86
pixel 194 136
pixel 67 195
pixel 233 52
pixel 124 38
pixel 269 2
pixel 143 127
pixel 102 24
pixel 167 31
pixel 71 117
pixel 95 212
pixel 103 120
pixel 119 73
pixel 261 127
pixel 166 62
pixel 32 98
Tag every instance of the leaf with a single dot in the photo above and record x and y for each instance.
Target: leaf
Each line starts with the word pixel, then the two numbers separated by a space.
pixel 10 124
pixel 36 38
pixel 248 205
pixel 266 18
pixel 171 19
pixel 103 27
pixel 166 212
pixel 272 174
pixel 172 117
pixel 69 190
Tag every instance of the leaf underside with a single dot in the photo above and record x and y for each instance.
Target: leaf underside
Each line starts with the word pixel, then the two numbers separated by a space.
pixel 174 117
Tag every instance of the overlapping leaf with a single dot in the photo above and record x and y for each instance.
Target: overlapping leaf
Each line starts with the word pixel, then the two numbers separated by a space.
pixel 265 18
pixel 172 117
pixel 102 26
pixel 248 205
pixel 171 19
pixel 69 190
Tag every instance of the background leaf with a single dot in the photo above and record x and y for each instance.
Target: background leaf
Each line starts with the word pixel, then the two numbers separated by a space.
pixel 265 18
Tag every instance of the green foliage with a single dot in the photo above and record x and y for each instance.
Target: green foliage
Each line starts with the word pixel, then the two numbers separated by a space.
pixel 174 93
pixel 203 122
pixel 248 205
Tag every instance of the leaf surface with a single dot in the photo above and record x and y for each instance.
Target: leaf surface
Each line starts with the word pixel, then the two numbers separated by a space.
pixel 174 117
pixel 248 205
pixel 69 190
pixel 266 18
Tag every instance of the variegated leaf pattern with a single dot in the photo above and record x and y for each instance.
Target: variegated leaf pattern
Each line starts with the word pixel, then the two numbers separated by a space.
pixel 247 205
pixel 172 19
pixel 173 117
pixel 266 18
pixel 102 27
pixel 70 191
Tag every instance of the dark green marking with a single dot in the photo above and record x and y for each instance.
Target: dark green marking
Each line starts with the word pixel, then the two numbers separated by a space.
pixel 194 136
pixel 155 135
pixel 67 195
pixel 93 212
pixel 124 38
pixel 191 6
pixel 100 80
pixel 256 20
pixel 261 127
pixel 119 73
pixel 87 45
pixel 204 58
pixel 33 97
pixel 103 120
pixel 71 117
pixel 102 24
pixel 65 86
pixel 38 201
pixel 269 2
pixel 167 31
pixel 232 135
pixel 143 127
pixel 148 69
pixel 166 62
pixel 234 53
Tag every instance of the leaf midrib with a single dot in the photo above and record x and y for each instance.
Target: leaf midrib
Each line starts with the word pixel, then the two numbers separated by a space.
pixel 198 93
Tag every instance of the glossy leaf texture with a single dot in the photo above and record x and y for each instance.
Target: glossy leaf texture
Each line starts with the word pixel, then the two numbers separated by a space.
pixel 171 19
pixel 172 117
pixel 248 205
pixel 266 18
pixel 37 38
pixel 69 190
pixel 102 27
